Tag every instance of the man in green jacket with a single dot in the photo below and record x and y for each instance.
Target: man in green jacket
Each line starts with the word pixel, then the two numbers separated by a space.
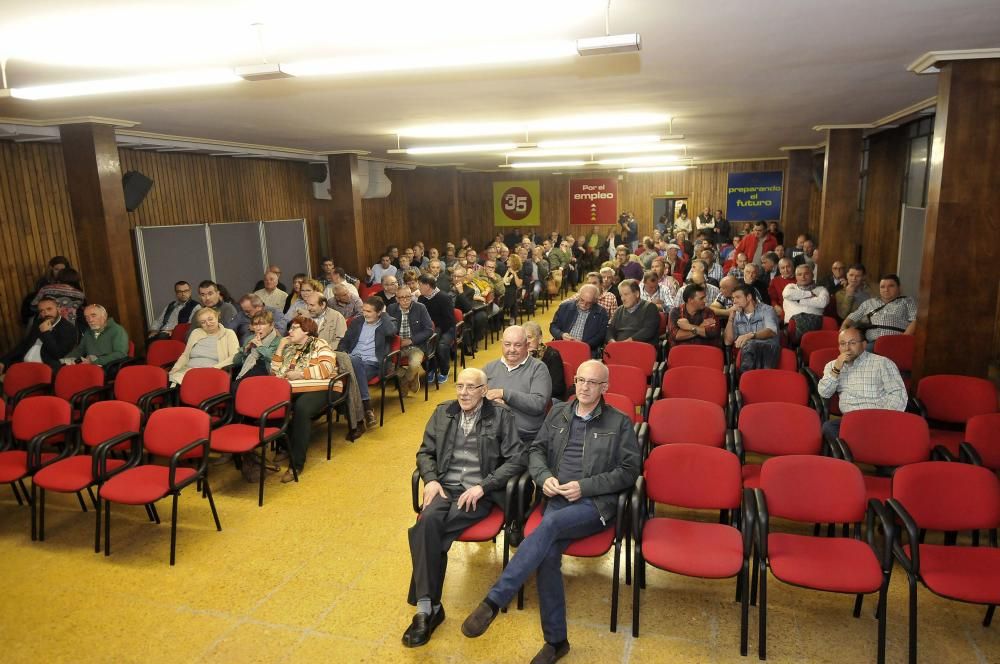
pixel 105 341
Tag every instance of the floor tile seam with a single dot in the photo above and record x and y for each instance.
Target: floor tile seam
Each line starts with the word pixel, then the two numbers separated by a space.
pixel 348 587
pixel 980 657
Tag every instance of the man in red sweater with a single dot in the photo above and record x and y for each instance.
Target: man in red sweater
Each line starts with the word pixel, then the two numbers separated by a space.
pixel 786 275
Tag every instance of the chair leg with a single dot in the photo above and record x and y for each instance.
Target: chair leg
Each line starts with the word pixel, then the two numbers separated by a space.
pixel 614 587
pixel 156 515
pixel 628 558
pixel 989 615
pixel 762 613
pixel 173 526
pixel 950 538
pixel 913 619
pixel 79 497
pixel 17 494
pixel 260 480
pixel 211 503
pixel 97 528
pixel 975 538
pixel 399 393
pixel 381 405
pixel 34 515
pixel 93 499
pixel 883 591
pixel 858 599
pixel 107 528
pixel 24 490
pixel 742 585
pixel 639 567
pixel 329 432
pixel 753 580
pixel 41 512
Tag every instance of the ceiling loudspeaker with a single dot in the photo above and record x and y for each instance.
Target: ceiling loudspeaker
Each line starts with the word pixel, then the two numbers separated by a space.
pixel 317 172
pixel 136 186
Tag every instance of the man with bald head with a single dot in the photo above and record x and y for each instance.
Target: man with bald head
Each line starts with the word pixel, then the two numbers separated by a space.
pixel 581 495
pixel 521 382
pixel 581 319
pixel 103 342
pixel 469 452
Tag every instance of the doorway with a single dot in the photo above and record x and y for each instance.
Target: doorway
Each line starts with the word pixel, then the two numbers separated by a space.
pixel 667 208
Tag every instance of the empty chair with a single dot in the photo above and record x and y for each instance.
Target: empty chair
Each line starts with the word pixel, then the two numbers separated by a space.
pixel 982 440
pixel 690 355
pixel 696 383
pixel 810 489
pixel 631 382
pixel 573 353
pixel 813 341
pixel 164 353
pixel 625 405
pixel 207 389
pixel 900 349
pixel 692 477
pixel 180 332
pixel 38 423
pixel 25 379
pixel 769 385
pixel 949 401
pixel 775 429
pixel 941 496
pixel 637 354
pixel 142 385
pixel 80 385
pixel 679 420
pixel 886 438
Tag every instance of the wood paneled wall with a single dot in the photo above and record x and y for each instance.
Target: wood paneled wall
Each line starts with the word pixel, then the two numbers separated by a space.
pixel 883 201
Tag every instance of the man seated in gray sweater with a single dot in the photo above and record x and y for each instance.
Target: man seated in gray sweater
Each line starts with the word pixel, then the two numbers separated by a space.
pixel 635 320
pixel 520 381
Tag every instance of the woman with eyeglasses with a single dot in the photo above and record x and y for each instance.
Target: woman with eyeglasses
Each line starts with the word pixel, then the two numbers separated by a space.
pixel 549 356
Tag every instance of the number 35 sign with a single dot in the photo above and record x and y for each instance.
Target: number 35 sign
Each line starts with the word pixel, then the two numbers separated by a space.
pixel 515 203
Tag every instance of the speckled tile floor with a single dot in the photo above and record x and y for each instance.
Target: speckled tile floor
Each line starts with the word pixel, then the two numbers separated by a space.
pixel 320 573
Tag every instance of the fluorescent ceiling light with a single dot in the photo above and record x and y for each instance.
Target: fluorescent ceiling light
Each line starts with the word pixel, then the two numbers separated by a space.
pixel 594 122
pixel 654 159
pixel 547 164
pixel 609 44
pixel 656 169
pixel 128 84
pixel 455 149
pixel 595 149
pixel 607 140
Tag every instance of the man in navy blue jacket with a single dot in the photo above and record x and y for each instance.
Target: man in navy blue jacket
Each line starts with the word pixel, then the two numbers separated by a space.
pixel 415 328
pixel 581 319
pixel 368 341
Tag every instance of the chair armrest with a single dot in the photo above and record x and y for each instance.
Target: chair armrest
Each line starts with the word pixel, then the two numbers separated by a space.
pixel 262 422
pixel 620 512
pixel 737 401
pixel 510 499
pixel 968 454
pixel 219 399
pixel 912 563
pixel 942 453
pixel 915 405
pixel 525 496
pixel 749 521
pixel 842 450
pixel 738 446
pixel 390 359
pixel 810 377
pixel 877 509
pixel 334 398
pixel 642 435
pixel 415 489
pixel 5 440
pixel 177 457
pixel 817 405
pixel 145 402
pixel 34 460
pixel 100 454
pixel 431 345
pixel 639 515
pixel 38 388
pixel 80 400
pixel 112 368
pixel 658 369
pixel 763 523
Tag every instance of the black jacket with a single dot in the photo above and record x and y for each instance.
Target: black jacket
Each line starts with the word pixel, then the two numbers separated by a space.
pixel 594 329
pixel 56 344
pixel 501 452
pixel 611 459
pixel 421 327
pixel 383 336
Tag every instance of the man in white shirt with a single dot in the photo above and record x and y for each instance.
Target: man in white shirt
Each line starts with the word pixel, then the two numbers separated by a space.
pixel 383 268
pixel 804 299
pixel 339 276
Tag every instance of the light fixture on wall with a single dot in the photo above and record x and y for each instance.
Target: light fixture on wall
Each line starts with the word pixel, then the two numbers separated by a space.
pixel 656 169
pixel 553 125
pixel 609 44
pixel 162 81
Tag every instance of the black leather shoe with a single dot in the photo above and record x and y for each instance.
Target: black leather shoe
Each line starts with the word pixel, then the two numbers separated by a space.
pixel 549 653
pixel 420 630
pixel 478 621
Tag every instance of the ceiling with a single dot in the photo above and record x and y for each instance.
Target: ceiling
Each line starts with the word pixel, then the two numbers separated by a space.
pixel 741 78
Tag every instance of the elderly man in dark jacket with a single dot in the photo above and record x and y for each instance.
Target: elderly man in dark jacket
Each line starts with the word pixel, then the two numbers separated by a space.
pixel 582 319
pixel 582 492
pixel 470 452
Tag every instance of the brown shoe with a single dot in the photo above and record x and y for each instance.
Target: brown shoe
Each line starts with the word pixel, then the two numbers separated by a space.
pixel 479 620
pixel 549 653
pixel 289 476
pixel 370 420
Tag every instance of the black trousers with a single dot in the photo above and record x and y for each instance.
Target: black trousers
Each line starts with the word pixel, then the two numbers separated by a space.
pixel 439 524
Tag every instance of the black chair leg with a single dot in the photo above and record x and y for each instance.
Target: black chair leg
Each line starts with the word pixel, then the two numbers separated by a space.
pixel 381 405
pixel 329 432
pixel 41 513
pixel 989 615
pixel 762 614
pixel 34 515
pixel 156 515
pixel 753 580
pixel 211 503
pixel 913 619
pixel 858 599
pixel 107 528
pixel 741 584
pixel 881 621
pixel 639 565
pixel 93 498
pixel 97 528
pixel 24 490
pixel 173 526
pixel 79 497
pixel 614 587
pixel 260 480
pixel 17 494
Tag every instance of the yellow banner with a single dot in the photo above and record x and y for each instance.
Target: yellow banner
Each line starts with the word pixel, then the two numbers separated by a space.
pixel 516 203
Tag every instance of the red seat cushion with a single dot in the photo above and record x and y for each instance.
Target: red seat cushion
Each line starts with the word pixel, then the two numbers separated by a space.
pixel 879 488
pixel 950 440
pixel 142 484
pixel 836 564
pixel 70 475
pixel 967 573
pixel 707 550
pixel 751 476
pixel 485 529
pixel 591 546
pixel 14 465
pixel 238 438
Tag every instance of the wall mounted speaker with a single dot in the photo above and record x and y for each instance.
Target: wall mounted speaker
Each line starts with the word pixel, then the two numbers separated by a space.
pixel 317 172
pixel 136 186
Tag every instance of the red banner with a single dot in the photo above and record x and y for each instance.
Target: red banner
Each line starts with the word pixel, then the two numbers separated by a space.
pixel 593 202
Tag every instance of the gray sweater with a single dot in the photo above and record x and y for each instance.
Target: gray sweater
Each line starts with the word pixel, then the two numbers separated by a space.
pixel 641 325
pixel 526 390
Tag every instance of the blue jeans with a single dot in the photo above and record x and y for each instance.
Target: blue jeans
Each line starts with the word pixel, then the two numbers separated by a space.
pixel 831 430
pixel 365 371
pixel 562 523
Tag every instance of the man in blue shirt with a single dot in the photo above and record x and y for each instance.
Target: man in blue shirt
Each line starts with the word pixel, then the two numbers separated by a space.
pixel 368 341
pixel 753 330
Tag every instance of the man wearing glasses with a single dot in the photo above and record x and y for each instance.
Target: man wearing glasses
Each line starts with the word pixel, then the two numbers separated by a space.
pixel 469 452
pixel 180 310
pixel 585 454
pixel 862 379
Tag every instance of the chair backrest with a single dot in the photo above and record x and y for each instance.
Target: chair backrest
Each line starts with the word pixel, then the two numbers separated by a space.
pixel 133 382
pixel 164 352
pixel 983 433
pixel 573 354
pixel 812 341
pixel 787 361
pixel 169 429
pixel 459 316
pixel 365 291
pixel 779 429
pixel 691 355
pixel 830 323
pixel 629 382
pixel 35 415
pixel 951 398
pixel 180 331
pixel 258 393
pixel 766 385
pixel 106 419
pixel 679 420
pixel 693 477
pixel 886 437
pixel 638 354
pixel 622 403
pixel 203 383
pixel 75 378
pixel 897 347
pixel 696 383
pixel 813 489
pixel 664 322
pixel 23 375
pixel 820 358
pixel 949 496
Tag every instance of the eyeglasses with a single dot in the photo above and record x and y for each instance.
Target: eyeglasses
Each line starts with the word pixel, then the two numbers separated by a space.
pixel 462 388
pixel 588 382
pixel 854 342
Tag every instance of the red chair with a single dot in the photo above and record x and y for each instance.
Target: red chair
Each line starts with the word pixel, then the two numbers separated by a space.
pixel 142 385
pixel 899 348
pixel 164 353
pixel 25 379
pixel 573 353
pixel 697 383
pixel 813 341
pixel 787 361
pixel 631 382
pixel 982 441
pixel 691 355
pixel 625 405
pixel 38 422
pixel 106 426
pixel 775 429
pixel 688 421
pixel 810 489
pixel 80 385
pixel 773 385
pixel 263 408
pixel 365 291
pixel 948 402
pixel 180 332
pixel 207 389
pixel 692 477
pixel 112 368
pixel 883 438
pixel 829 324
pixel 458 344
pixel 179 435
pixel 636 354
pixel 388 371
pixel 936 495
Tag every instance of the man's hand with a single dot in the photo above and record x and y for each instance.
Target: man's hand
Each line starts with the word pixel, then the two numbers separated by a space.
pixel 570 491
pixel 431 490
pixel 45 325
pixel 550 487
pixel 709 323
pixel 496 394
pixel 294 375
pixel 849 289
pixel 368 271
pixel 3 367
pixel 470 497
pixel 405 342
pixel 568 337
pixel 838 364
pixel 743 339
pixel 85 360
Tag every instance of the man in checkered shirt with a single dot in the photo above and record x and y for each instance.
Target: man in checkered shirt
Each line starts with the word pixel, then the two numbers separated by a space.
pixel 889 313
